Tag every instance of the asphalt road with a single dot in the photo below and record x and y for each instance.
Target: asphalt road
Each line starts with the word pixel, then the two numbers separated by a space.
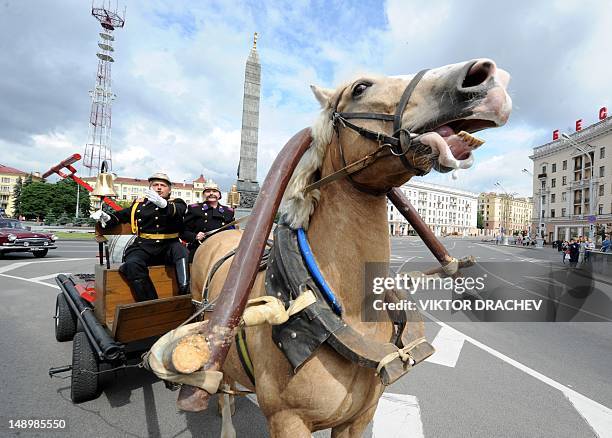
pixel 491 379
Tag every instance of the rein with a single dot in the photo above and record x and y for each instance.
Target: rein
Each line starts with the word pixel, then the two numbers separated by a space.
pixel 397 144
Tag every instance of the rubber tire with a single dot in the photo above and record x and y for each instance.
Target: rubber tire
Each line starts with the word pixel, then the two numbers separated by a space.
pixel 65 320
pixel 40 254
pixel 84 381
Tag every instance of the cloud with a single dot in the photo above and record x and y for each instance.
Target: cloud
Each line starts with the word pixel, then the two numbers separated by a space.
pixel 179 75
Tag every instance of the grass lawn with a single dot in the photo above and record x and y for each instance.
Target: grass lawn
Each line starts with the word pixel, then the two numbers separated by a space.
pixel 62 235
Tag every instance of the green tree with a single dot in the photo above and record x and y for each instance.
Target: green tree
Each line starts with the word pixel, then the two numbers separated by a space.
pixel 28 180
pixel 36 198
pixel 479 221
pixel 65 199
pixel 17 197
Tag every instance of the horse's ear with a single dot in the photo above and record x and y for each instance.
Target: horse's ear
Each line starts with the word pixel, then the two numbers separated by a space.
pixel 323 95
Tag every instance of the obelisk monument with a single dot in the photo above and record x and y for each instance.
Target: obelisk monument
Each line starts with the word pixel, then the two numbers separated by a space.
pixel 247 184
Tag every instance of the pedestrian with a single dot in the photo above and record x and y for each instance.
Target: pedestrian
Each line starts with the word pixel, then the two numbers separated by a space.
pixel 605 245
pixel 574 253
pixel 590 246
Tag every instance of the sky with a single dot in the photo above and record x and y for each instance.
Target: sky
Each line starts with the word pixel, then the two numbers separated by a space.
pixel 179 75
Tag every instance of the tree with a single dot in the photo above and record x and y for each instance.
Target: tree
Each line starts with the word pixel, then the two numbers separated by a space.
pixel 28 180
pixel 17 197
pixel 64 201
pixel 479 221
pixel 36 198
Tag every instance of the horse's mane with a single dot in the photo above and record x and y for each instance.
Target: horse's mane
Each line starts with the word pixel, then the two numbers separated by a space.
pixel 296 206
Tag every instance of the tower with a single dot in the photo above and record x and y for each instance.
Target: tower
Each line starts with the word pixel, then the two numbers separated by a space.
pixel 247 184
pixel 98 147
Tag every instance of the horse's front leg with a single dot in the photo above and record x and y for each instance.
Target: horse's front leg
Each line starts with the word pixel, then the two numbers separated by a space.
pixel 355 427
pixel 287 424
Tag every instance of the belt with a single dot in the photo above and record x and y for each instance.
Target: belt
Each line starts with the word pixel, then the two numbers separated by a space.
pixel 158 236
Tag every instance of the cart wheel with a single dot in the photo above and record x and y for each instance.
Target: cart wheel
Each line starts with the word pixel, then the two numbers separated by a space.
pixel 65 320
pixel 40 253
pixel 84 383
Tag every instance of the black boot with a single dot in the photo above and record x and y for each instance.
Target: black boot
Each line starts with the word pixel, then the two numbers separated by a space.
pixel 182 276
pixel 144 289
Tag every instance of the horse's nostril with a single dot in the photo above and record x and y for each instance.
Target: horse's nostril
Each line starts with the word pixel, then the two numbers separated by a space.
pixel 479 73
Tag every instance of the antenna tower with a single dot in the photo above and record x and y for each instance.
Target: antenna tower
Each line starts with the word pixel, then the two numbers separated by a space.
pixel 98 147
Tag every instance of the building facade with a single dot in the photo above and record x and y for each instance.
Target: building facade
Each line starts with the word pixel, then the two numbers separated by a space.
pixel 128 189
pixel 572 184
pixel 445 210
pixel 505 214
pixel 8 179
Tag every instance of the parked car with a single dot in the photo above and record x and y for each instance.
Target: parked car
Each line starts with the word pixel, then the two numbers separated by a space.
pixel 16 237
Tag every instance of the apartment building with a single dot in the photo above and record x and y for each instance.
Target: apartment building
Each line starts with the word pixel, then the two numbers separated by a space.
pixel 572 183
pixel 8 179
pixel 446 210
pixel 505 213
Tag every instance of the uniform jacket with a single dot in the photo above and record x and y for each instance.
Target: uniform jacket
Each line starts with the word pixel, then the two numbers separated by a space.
pixel 151 219
pixel 202 217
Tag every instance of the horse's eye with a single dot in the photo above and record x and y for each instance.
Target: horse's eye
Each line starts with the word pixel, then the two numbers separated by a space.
pixel 360 88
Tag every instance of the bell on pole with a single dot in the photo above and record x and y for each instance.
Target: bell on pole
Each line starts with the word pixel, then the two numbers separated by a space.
pixel 104 184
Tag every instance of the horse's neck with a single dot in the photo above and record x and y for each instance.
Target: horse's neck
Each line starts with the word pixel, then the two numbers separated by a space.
pixel 347 230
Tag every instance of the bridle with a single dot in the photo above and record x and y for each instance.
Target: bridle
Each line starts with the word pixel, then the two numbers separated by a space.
pixel 398 143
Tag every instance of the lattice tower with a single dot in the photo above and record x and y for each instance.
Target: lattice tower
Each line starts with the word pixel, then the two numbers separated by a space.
pixel 98 147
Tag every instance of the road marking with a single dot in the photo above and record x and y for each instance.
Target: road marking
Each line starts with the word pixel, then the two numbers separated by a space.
pixel 597 416
pixel 448 345
pixel 397 416
pixel 46 277
pixel 22 264
pixel 30 280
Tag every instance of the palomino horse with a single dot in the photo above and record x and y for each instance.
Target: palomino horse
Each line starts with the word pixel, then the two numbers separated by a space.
pixel 346 223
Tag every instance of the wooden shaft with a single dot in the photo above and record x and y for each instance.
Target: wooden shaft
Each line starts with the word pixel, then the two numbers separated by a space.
pixel 414 219
pixel 243 270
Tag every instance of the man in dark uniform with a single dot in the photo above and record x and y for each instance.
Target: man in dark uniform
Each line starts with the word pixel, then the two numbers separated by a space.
pixel 157 221
pixel 206 216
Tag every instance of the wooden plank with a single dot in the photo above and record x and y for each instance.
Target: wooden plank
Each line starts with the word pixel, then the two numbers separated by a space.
pixel 112 289
pixel 150 318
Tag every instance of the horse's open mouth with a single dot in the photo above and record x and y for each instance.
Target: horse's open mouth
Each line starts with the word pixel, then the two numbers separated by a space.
pixel 453 143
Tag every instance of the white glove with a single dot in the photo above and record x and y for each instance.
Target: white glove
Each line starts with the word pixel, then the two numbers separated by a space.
pixel 101 217
pixel 155 198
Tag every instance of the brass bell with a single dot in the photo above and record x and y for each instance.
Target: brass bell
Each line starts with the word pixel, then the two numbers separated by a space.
pixel 104 184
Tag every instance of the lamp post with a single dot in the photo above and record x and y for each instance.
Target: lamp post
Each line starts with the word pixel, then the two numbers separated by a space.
pixel 528 172
pixel 591 193
pixel 506 210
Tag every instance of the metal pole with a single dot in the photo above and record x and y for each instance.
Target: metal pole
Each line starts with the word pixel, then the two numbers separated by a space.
pixel 76 214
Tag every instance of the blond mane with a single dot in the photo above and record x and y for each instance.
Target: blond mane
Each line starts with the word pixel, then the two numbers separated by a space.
pixel 296 206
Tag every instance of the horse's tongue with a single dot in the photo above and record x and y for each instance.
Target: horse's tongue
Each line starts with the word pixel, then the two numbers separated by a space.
pixel 460 144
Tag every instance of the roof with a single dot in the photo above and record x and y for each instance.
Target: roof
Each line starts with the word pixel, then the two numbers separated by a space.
pixel 140 182
pixel 11 170
pixel 200 179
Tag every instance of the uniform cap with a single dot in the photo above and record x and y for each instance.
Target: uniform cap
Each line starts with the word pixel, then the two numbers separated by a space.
pixel 160 177
pixel 211 185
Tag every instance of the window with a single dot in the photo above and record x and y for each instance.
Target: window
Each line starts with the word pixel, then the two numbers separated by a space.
pixel 543 199
pixel 602 153
pixel 601 171
pixel 6 180
pixel 543 184
pixel 554 168
pixel 552 198
pixel 564 164
pixel 600 210
pixel 601 190
pixel 552 212
pixel 553 182
pixel 564 196
pixel 563 210
pixel 543 169
pixel 564 181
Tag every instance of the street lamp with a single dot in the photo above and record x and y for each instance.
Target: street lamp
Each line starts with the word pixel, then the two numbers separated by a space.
pixel 505 211
pixel 591 192
pixel 528 172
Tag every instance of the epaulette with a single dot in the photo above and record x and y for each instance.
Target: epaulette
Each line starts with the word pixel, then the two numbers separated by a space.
pixel 220 208
pixel 230 209
pixel 194 205
pixel 205 207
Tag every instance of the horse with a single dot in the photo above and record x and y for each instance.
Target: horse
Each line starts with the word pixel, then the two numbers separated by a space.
pixel 436 113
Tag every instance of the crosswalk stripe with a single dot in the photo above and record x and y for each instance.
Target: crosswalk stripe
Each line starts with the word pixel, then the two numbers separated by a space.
pixel 397 416
pixel 448 344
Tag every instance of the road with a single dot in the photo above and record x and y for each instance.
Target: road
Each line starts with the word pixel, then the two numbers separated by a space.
pixel 488 379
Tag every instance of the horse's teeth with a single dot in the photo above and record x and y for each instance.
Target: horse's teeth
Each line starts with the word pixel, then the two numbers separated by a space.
pixel 472 141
